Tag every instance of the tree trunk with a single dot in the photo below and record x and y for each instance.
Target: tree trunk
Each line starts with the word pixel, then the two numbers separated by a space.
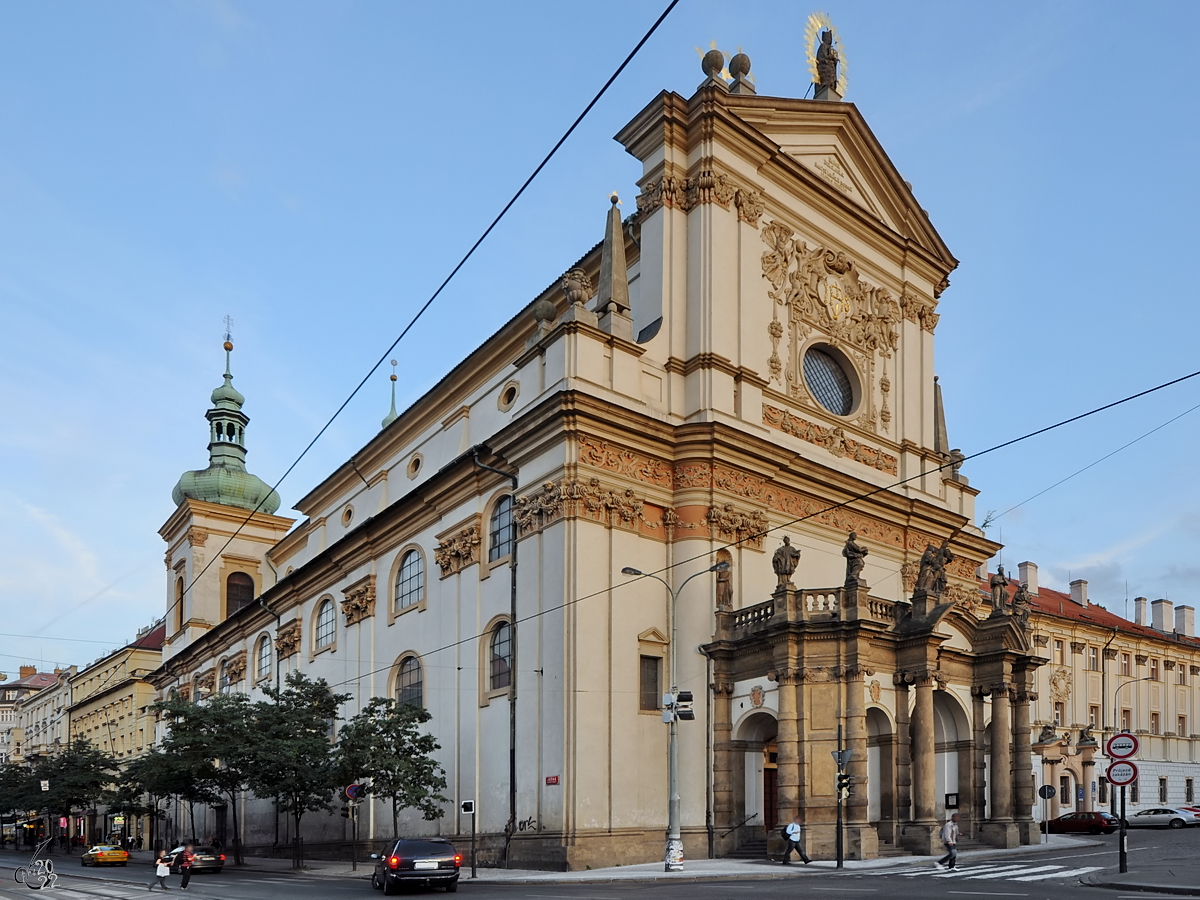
pixel 395 817
pixel 237 844
pixel 192 816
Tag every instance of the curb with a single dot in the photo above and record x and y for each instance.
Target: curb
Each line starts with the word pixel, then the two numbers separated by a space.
pixel 1101 881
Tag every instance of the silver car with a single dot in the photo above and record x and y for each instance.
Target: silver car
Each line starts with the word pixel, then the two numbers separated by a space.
pixel 1162 817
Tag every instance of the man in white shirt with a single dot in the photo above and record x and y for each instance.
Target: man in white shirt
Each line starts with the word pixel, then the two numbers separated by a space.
pixel 949 836
pixel 792 835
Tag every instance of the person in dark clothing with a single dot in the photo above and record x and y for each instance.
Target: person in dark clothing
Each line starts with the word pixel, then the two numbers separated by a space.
pixel 162 868
pixel 184 859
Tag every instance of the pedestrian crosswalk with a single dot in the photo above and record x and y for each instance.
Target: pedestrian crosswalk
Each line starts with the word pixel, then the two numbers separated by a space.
pixel 1026 871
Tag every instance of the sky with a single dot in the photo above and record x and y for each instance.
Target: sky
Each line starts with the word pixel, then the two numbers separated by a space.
pixel 315 169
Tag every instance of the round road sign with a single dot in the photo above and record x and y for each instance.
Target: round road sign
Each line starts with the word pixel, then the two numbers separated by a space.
pixel 354 791
pixel 1122 773
pixel 1122 746
pixel 1047 792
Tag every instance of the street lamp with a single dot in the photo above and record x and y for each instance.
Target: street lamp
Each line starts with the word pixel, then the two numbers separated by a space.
pixel 673 860
pixel 1117 691
pixel 1122 856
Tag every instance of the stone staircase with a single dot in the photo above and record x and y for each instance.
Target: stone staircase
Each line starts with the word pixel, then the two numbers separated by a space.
pixel 753 849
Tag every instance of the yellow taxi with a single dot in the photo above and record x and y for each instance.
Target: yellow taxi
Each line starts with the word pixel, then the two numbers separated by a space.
pixel 105 855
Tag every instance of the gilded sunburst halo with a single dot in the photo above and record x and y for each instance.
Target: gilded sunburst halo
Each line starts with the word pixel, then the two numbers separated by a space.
pixel 818 22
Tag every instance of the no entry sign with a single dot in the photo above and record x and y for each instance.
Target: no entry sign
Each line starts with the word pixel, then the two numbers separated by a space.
pixel 1122 773
pixel 1122 746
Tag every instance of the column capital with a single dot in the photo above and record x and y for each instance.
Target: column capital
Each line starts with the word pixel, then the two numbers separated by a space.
pixel 1025 696
pixel 1000 689
pixel 788 675
pixel 721 687
pixel 920 676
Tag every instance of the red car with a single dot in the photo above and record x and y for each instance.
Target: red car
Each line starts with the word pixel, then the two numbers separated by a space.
pixel 1083 823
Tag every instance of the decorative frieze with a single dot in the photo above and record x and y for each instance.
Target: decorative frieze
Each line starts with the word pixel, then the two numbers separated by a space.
pixel 919 309
pixel 749 206
pixel 706 186
pixel 235 668
pixel 287 641
pixel 601 455
pixel 731 525
pixel 358 602
pixel 833 439
pixel 619 508
pixel 458 550
pixel 206 681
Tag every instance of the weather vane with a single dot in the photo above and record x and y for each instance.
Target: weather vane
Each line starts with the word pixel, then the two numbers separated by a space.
pixel 826 57
pixel 228 329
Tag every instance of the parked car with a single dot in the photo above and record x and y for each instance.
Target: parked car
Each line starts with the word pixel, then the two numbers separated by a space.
pixel 207 859
pixel 1083 823
pixel 429 862
pixel 105 855
pixel 1162 816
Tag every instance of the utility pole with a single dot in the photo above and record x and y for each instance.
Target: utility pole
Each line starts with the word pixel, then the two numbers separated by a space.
pixel 677 705
pixel 844 783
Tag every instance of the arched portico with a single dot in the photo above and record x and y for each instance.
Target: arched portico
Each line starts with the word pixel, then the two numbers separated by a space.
pixel 881 773
pixel 755 782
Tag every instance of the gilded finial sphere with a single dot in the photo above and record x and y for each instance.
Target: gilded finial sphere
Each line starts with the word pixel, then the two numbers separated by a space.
pixel 614 199
pixel 393 377
pixel 713 63
pixel 228 346
pixel 739 65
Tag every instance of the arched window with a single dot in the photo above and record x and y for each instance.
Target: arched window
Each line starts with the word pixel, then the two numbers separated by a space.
pixel 225 683
pixel 500 540
pixel 501 657
pixel 410 687
pixel 177 616
pixel 263 658
pixel 410 580
pixel 239 592
pixel 326 624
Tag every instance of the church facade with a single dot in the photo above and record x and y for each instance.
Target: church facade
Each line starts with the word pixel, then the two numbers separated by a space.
pixel 741 372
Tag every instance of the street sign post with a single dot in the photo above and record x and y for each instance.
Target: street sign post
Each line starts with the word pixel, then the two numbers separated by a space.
pixel 1123 773
pixel 467 808
pixel 1122 746
pixel 841 758
pixel 1046 792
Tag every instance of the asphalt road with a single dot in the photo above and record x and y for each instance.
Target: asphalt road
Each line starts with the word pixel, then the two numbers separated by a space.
pixel 1034 876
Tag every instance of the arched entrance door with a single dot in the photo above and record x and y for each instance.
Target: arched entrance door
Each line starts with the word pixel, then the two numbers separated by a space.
pixel 756 786
pixel 952 760
pixel 881 774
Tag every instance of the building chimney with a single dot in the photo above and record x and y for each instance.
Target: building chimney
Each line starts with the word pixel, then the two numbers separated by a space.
pixel 1161 614
pixel 1079 592
pixel 1028 572
pixel 1185 621
pixel 27 671
pixel 1139 610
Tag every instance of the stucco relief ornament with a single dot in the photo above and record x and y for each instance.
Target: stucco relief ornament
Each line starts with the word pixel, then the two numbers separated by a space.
pixel 359 600
pixel 1060 684
pixel 287 642
pixel 875 690
pixel 757 696
pixel 458 551
pixel 235 668
pixel 731 524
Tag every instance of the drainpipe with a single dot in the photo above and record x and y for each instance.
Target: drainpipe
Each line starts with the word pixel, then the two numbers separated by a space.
pixel 511 827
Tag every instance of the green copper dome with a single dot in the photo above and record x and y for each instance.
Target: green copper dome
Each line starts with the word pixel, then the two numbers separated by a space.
pixel 226 480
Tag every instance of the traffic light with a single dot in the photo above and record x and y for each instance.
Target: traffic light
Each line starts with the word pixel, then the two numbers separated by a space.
pixel 845 785
pixel 345 812
pixel 678 707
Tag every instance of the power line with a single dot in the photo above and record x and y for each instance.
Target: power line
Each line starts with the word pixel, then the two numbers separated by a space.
pixel 706 555
pixel 420 312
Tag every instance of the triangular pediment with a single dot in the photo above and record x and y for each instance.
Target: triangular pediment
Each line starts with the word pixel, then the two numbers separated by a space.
pixel 652 636
pixel 833 142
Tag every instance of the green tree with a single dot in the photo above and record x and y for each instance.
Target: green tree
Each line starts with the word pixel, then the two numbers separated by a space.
pixel 162 776
pixel 386 744
pixel 292 751
pixel 17 789
pixel 78 778
pixel 216 739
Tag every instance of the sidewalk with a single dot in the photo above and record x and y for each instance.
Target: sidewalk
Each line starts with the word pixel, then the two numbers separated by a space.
pixel 1164 876
pixel 694 870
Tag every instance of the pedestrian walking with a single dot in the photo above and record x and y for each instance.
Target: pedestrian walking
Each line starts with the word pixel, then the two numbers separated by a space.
pixel 162 868
pixel 184 859
pixel 949 836
pixel 791 835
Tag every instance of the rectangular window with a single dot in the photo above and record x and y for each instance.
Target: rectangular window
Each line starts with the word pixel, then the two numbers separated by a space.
pixel 1094 716
pixel 1181 668
pixel 1135 793
pixel 1094 658
pixel 1154 670
pixel 1181 726
pixel 1162 790
pixel 1059 656
pixel 1060 713
pixel 651 683
pixel 1155 723
pixel 1103 790
pixel 1189 790
pixel 1126 720
pixel 1064 791
pixel 1125 661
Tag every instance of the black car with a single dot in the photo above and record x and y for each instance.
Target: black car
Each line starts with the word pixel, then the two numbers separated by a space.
pixel 205 859
pixel 425 862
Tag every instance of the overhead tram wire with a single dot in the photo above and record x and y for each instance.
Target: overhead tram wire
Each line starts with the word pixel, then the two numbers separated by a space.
pixel 836 506
pixel 441 287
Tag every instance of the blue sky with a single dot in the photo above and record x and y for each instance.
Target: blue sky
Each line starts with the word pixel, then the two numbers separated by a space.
pixel 315 169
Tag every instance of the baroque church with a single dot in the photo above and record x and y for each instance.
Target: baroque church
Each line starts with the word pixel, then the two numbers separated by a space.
pixel 741 372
